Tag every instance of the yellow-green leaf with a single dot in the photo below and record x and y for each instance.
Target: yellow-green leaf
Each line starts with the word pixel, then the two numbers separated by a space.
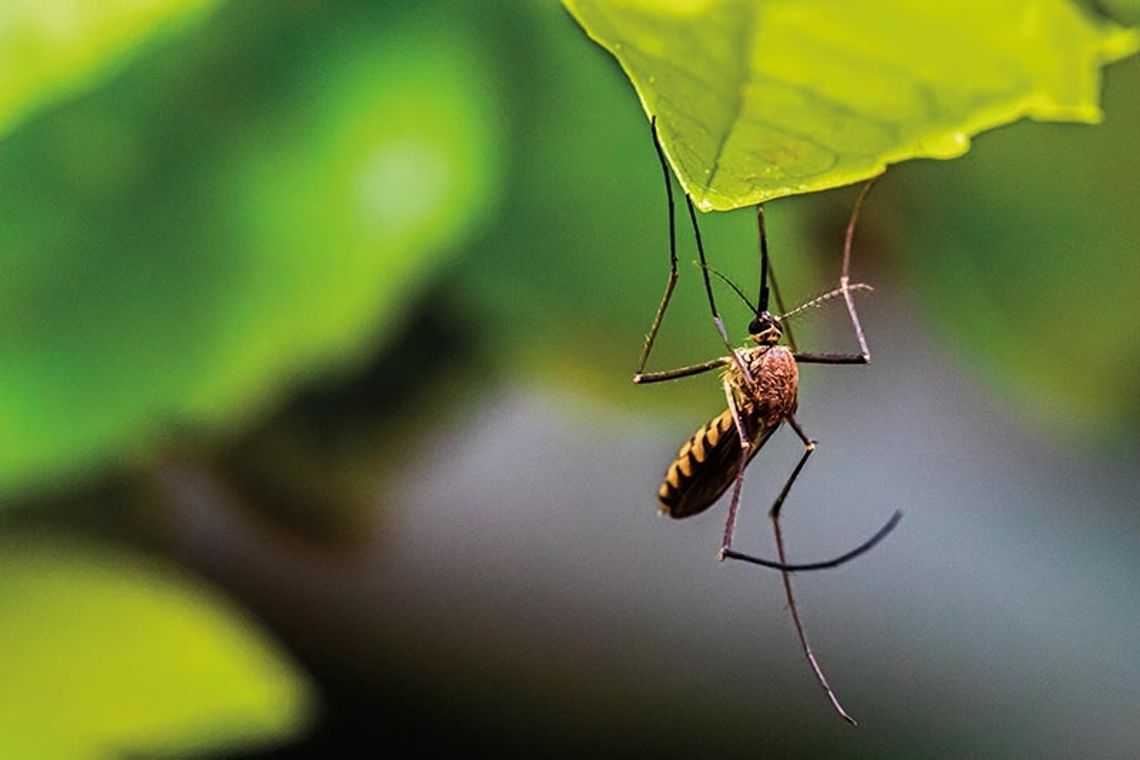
pixel 758 99
pixel 103 654
pixel 52 48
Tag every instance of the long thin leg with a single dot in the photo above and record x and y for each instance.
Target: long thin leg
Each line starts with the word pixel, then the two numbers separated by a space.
pixel 787 328
pixel 828 564
pixel 672 374
pixel 782 565
pixel 745 455
pixel 774 513
pixel 712 302
pixel 640 375
pixel 726 550
pixel 767 268
pixel 864 355
pixel 672 282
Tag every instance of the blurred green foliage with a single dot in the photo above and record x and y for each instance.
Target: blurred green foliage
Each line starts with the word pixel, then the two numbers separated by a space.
pixel 220 218
pixel 103 653
pixel 50 49
pixel 757 100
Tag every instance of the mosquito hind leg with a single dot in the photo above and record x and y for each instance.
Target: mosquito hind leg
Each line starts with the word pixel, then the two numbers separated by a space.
pixel 774 513
pixel 738 483
pixel 786 569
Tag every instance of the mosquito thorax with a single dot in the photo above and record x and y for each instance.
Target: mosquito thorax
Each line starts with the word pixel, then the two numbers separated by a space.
pixel 765 329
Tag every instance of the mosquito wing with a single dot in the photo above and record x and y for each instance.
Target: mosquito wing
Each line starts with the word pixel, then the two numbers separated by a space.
pixel 707 465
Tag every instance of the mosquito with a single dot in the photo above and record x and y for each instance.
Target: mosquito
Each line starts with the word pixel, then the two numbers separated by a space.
pixel 760 383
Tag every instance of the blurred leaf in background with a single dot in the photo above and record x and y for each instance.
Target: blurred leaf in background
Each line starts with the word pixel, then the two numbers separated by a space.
pixel 758 100
pixel 218 222
pixel 103 653
pixel 51 49
pixel 222 218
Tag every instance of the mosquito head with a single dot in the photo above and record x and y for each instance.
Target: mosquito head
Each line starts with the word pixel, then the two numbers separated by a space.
pixel 765 329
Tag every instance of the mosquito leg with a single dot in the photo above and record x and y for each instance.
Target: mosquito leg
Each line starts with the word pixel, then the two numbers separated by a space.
pixel 774 513
pixel 712 302
pixel 770 271
pixel 672 374
pixel 845 287
pixel 745 455
pixel 845 277
pixel 833 358
pixel 828 564
pixel 726 550
pixel 638 374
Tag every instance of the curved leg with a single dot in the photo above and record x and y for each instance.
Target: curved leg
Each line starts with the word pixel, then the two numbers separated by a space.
pixel 726 550
pixel 774 513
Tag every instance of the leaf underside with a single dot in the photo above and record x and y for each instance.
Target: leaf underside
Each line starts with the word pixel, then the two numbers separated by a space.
pixel 759 99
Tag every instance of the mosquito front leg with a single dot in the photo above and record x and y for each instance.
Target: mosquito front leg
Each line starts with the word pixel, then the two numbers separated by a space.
pixel 639 373
pixel 740 363
pixel 768 273
pixel 845 288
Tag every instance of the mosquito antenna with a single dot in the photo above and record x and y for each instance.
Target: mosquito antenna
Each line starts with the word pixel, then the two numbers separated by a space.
pixel 821 300
pixel 738 291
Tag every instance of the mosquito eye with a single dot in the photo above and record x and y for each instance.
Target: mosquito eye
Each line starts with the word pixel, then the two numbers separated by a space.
pixel 756 327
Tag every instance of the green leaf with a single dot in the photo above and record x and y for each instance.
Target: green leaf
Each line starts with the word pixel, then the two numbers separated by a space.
pixel 186 243
pixel 53 48
pixel 1030 265
pixel 570 280
pixel 103 653
pixel 760 99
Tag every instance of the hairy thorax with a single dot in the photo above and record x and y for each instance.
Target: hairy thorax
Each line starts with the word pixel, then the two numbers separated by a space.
pixel 773 397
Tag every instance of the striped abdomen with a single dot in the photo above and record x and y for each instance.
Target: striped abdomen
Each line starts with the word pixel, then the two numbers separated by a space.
pixel 707 465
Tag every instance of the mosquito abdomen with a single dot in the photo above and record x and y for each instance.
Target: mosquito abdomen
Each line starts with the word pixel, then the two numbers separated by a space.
pixel 704 467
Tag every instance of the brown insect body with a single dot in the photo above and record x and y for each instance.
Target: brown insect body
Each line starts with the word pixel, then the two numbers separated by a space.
pixel 709 461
